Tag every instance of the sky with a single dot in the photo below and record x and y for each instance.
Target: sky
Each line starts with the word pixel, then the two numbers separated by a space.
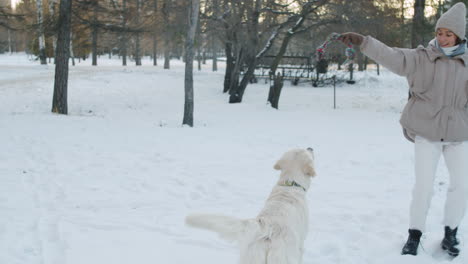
pixel 14 2
pixel 409 3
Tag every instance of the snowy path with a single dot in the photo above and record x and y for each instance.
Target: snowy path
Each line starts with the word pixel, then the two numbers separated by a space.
pixel 113 181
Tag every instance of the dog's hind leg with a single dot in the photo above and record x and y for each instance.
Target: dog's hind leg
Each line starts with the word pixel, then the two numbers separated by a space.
pixel 254 253
pixel 280 253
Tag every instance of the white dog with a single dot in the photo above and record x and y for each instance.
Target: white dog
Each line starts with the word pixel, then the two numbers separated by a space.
pixel 277 234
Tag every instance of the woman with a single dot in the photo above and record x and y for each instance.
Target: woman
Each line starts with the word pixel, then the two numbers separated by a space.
pixel 435 117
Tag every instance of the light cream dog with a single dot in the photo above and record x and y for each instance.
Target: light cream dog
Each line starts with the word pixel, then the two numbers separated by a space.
pixel 277 234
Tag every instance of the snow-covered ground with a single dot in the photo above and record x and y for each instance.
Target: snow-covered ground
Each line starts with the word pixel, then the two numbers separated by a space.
pixel 112 181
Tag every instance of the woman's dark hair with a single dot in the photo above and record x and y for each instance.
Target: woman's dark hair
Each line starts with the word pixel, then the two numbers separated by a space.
pixel 458 41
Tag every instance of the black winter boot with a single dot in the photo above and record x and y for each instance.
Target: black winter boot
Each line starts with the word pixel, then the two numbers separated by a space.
pixel 450 241
pixel 411 246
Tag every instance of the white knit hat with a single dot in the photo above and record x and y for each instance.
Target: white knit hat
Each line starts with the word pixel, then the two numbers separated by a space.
pixel 454 19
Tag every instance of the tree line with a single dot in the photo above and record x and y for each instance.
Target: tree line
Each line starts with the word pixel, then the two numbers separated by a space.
pixel 242 32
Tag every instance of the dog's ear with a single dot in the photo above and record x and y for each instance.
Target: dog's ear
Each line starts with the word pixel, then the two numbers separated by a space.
pixel 308 164
pixel 278 165
pixel 309 169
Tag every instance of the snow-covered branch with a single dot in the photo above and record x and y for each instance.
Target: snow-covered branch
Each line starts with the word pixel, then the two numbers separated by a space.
pixel 269 43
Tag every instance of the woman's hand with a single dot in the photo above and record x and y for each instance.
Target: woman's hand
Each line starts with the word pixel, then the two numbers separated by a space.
pixel 352 38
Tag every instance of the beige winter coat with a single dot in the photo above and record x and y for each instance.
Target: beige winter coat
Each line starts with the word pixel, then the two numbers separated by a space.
pixel 437 109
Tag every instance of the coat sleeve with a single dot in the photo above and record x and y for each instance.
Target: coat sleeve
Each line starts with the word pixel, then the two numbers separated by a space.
pixel 400 61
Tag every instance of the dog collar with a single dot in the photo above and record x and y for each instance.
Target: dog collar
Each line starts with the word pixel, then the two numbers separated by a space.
pixel 291 184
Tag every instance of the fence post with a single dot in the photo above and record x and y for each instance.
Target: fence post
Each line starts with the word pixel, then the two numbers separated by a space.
pixel 351 71
pixel 334 91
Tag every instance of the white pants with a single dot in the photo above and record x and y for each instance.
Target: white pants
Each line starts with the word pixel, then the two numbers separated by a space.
pixel 426 158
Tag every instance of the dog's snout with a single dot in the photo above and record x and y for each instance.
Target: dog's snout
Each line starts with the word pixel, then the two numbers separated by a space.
pixel 310 149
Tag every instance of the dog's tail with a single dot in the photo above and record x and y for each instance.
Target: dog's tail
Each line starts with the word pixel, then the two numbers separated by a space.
pixel 229 228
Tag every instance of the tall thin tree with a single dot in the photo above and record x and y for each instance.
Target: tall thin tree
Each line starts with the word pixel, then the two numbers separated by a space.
pixel 123 37
pixel 213 38
pixel 138 35
pixel 417 34
pixel 52 14
pixel 189 52
pixel 59 101
pixel 167 32
pixel 10 50
pixel 248 54
pixel 72 54
pixel 94 28
pixel 40 32
pixel 155 32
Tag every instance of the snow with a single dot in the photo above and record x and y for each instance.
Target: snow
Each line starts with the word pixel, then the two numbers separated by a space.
pixel 112 181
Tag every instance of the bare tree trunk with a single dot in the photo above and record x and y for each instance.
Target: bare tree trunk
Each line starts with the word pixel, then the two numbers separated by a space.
pixel 360 61
pixel 41 37
pixel 189 52
pixel 52 13
pixel 238 63
pixel 250 54
pixel 155 33
pixel 237 96
pixel 95 32
pixel 229 67
pixel 275 90
pixel 72 54
pixel 167 34
pixel 402 23
pixel 279 56
pixel 10 50
pixel 418 23
pixel 137 37
pixel 214 54
pixel 59 101
pixel 199 58
pixel 351 73
pixel 123 44
pixel 167 59
pixel 213 38
pixel 155 50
